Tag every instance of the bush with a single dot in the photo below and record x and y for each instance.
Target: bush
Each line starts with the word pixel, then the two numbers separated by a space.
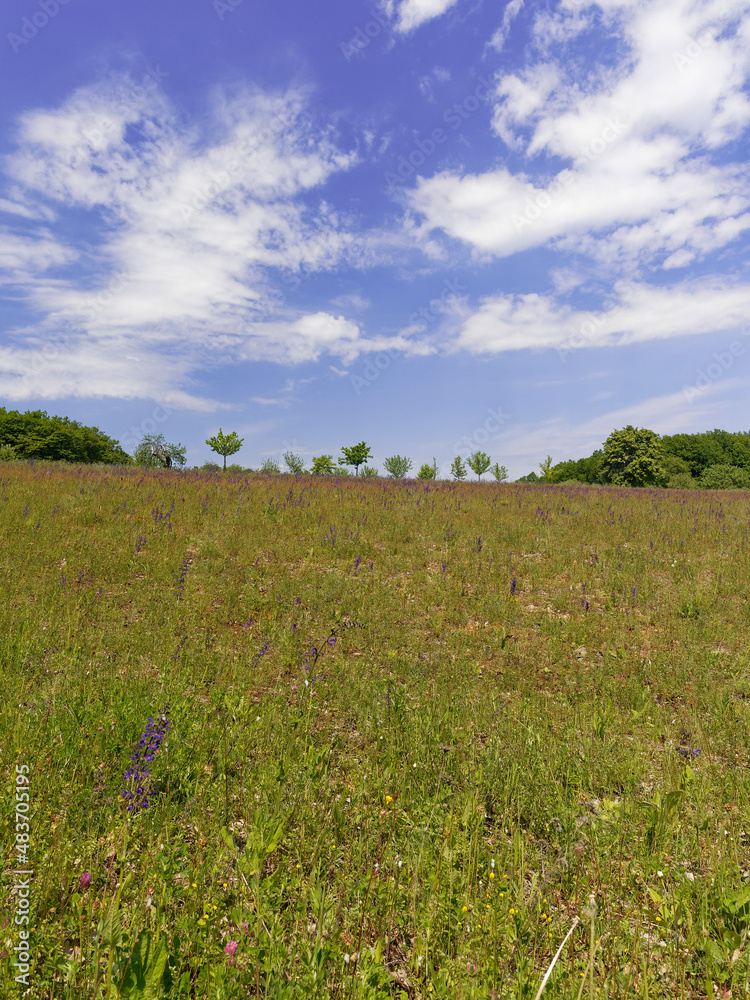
pixel 367 471
pixel 725 477
pixel 270 467
pixel 7 453
pixel 681 481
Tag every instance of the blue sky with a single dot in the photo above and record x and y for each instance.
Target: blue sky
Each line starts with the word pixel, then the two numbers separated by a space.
pixel 432 225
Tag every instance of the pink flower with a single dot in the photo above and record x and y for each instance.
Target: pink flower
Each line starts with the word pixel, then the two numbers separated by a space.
pixel 231 948
pixel 245 926
pixel 85 881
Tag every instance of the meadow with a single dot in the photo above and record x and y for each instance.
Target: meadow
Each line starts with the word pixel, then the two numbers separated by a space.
pixel 315 737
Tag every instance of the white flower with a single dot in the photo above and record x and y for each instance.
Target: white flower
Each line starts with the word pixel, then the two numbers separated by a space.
pixel 346 958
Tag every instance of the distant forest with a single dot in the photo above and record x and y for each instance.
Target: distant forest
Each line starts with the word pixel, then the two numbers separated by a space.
pixel 711 460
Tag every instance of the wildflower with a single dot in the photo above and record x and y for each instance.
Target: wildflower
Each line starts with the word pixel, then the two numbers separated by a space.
pixel 85 881
pixel 388 799
pixel 512 586
pixel 231 948
pixel 138 774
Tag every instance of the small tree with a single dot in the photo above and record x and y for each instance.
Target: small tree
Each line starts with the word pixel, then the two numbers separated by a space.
pixel 369 471
pixel 294 463
pixel 499 472
pixel 397 466
pixel 323 465
pixel 7 453
pixel 545 467
pixel 479 463
pixel 458 469
pixel 270 467
pixel 632 457
pixel 153 448
pixel 356 455
pixel 225 444
pixel 428 471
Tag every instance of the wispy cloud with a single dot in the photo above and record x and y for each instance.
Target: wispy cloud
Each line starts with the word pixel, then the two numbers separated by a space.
pixel 511 12
pixel 189 230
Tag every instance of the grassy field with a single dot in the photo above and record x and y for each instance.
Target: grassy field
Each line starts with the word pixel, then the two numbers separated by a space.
pixel 404 736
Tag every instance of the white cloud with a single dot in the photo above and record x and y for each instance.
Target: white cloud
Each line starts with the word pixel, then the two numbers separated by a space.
pixel 191 232
pixel 637 313
pixel 643 136
pixel 511 12
pixel 413 13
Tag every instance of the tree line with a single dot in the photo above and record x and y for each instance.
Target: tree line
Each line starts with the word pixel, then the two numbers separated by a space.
pixel 630 456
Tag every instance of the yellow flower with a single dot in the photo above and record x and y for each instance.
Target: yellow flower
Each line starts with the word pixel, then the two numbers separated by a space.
pixel 298 866
pixel 465 909
pixel 195 885
pixel 388 799
pixel 492 874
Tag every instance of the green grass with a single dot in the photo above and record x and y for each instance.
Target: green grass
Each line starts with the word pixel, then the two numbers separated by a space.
pixel 390 777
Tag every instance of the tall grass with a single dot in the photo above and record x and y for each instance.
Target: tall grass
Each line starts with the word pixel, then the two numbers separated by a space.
pixel 389 769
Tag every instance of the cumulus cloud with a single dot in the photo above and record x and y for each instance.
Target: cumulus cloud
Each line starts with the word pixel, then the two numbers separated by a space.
pixel 633 157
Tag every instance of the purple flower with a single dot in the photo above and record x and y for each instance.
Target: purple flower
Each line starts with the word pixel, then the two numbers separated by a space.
pixel 85 881
pixel 138 774
pixel 231 948
pixel 512 586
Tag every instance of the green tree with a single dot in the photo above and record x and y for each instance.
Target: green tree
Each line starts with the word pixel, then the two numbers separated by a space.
pixel 323 465
pixel 458 469
pixel 499 472
pixel 479 462
pixel 397 466
pixel 152 448
pixel 428 471
pixel 35 434
pixel 294 463
pixel 225 444
pixel 545 467
pixel 356 455
pixel 633 457
pixel 7 453
pixel 369 471
pixel 530 478
pixel 725 477
pixel 270 467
